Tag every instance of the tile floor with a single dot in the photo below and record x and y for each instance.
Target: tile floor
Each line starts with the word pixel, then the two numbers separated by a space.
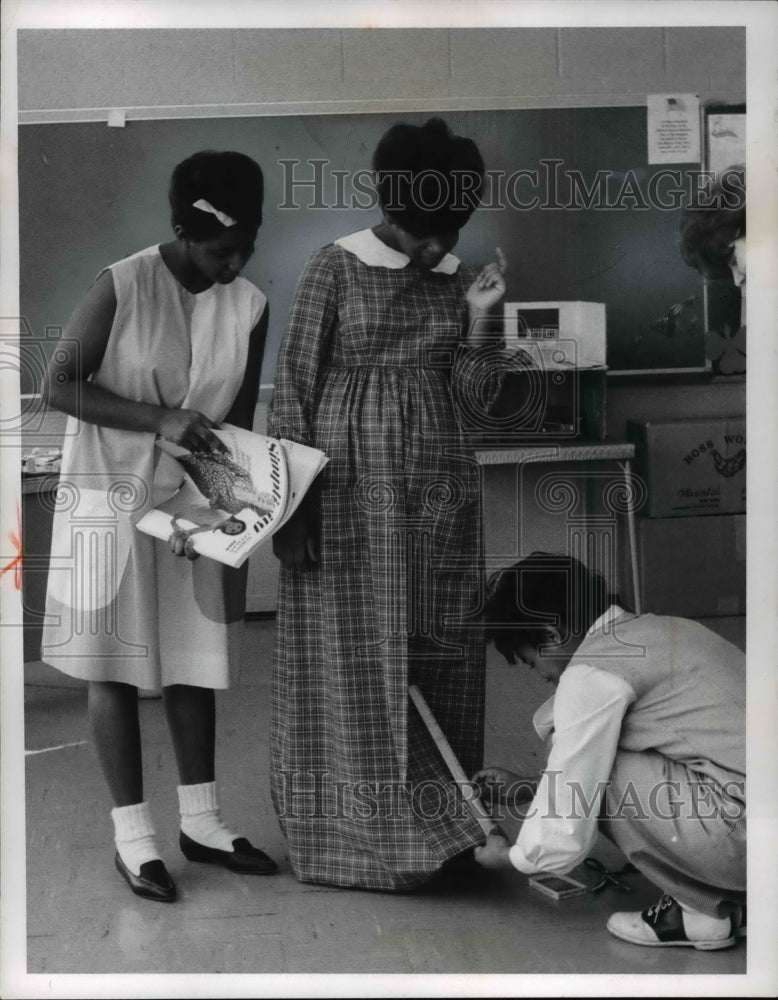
pixel 82 919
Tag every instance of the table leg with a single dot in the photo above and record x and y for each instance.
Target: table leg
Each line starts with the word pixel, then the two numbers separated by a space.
pixel 633 546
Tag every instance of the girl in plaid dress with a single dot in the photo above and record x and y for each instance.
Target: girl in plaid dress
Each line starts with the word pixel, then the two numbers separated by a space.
pixel 381 571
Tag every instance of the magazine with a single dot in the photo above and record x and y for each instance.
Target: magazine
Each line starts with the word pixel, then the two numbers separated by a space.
pixel 229 503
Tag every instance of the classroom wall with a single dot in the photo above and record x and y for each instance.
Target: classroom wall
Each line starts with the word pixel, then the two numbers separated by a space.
pixel 90 195
pixel 70 76
pixel 81 75
pixel 209 70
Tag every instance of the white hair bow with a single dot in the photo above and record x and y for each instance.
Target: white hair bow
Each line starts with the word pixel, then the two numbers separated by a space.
pixel 206 206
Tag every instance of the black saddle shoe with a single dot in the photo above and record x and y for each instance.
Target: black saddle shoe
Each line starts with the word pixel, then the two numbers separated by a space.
pixel 243 857
pixel 154 881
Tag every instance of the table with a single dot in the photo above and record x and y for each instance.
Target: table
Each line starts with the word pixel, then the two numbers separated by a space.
pixel 38 502
pixel 621 452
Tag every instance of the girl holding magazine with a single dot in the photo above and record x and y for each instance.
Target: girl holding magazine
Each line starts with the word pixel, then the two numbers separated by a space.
pixel 167 342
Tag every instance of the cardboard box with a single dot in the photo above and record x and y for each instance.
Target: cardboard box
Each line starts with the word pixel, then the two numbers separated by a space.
pixel 691 467
pixel 693 567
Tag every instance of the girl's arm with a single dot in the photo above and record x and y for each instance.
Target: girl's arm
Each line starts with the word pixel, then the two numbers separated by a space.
pixel 295 393
pixel 241 415
pixel 303 350
pixel 483 363
pixel 66 386
pixel 482 295
pixel 242 410
pixel 561 824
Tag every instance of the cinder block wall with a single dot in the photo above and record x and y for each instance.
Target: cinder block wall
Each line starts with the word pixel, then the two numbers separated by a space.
pixel 263 71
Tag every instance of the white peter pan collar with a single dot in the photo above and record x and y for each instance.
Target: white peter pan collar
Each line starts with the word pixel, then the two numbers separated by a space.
pixel 375 253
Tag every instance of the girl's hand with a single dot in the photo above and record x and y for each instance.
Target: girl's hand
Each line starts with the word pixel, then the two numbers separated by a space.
pixel 181 545
pixel 189 429
pixel 489 287
pixel 493 783
pixel 494 854
pixel 496 784
pixel 295 544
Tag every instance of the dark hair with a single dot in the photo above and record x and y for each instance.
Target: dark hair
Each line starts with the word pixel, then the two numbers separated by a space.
pixel 428 180
pixel 711 224
pixel 230 182
pixel 538 594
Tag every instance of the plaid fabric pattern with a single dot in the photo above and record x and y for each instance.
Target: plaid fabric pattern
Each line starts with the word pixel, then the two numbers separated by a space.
pixel 365 374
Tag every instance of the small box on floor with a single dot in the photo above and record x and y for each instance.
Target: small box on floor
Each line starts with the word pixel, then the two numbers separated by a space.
pixel 693 567
pixel 691 467
pixel 558 886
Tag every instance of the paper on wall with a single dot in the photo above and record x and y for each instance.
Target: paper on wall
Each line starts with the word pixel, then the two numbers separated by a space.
pixel 673 128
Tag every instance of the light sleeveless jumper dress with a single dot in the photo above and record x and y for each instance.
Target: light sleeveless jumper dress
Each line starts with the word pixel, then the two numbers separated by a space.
pixel 120 605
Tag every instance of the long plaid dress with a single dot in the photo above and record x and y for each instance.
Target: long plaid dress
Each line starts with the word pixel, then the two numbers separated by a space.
pixel 365 374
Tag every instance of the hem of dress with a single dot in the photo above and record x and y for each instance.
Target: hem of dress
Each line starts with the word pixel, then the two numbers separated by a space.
pixel 92 669
pixel 409 883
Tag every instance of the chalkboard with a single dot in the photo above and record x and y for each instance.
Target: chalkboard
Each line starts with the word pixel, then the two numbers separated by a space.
pixel 569 198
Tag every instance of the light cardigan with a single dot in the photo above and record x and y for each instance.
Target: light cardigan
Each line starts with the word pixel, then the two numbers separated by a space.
pixel 585 715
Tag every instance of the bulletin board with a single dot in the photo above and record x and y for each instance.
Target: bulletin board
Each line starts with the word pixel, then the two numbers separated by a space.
pixel 570 199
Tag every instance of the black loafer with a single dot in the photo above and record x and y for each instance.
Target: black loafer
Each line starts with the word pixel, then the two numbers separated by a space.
pixel 154 881
pixel 243 857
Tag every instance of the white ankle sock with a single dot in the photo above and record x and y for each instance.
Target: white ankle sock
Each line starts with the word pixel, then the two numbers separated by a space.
pixel 701 927
pixel 134 835
pixel 200 817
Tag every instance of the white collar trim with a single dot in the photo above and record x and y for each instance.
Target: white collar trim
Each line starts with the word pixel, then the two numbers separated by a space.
pixel 375 253
pixel 609 615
